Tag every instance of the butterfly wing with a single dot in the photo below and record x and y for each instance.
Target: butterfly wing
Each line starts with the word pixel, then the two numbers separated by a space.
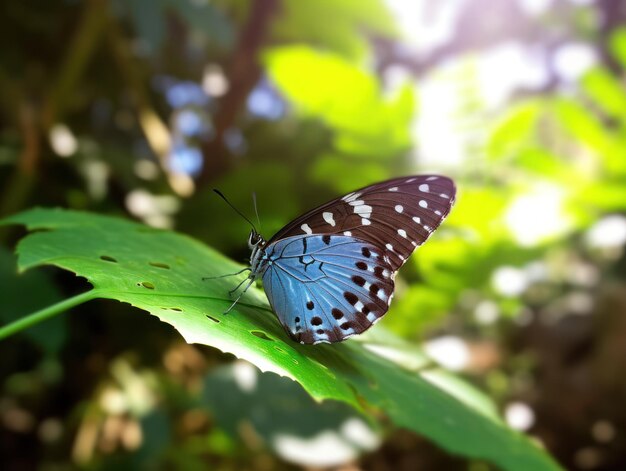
pixel 327 288
pixel 397 215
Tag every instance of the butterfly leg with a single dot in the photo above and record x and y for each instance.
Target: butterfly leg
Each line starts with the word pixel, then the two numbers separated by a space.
pixel 229 274
pixel 234 290
pixel 251 280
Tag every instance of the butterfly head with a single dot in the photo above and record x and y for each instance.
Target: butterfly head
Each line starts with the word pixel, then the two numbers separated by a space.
pixel 256 243
pixel 255 240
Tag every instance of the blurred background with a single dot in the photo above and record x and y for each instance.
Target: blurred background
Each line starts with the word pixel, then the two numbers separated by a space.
pixel 138 108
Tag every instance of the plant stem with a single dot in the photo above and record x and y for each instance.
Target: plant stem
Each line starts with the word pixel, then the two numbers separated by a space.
pixel 45 313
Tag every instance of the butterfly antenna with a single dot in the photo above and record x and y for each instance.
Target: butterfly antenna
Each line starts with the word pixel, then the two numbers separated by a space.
pixel 221 195
pixel 256 210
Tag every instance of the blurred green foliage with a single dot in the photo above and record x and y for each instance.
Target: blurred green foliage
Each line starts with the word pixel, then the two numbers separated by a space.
pixel 103 102
pixel 161 272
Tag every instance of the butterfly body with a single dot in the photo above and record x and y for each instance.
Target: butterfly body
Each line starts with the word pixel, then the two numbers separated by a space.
pixel 330 273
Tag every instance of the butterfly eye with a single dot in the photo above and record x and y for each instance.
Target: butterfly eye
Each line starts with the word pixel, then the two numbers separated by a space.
pixel 254 238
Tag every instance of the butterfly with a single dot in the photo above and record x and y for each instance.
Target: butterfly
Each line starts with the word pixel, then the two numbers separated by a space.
pixel 329 274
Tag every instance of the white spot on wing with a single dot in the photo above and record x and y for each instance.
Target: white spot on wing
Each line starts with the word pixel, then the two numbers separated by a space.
pixel 366 222
pixel 389 246
pixel 443 195
pixel 437 212
pixel 393 188
pixel 351 197
pixel 363 210
pixel 430 179
pixel 372 317
pixel 358 306
pixel 306 228
pixel 422 203
pixel 402 233
pixel 347 233
pixel 399 208
pixel 411 180
pixel 417 220
pixel 424 188
pixel 328 217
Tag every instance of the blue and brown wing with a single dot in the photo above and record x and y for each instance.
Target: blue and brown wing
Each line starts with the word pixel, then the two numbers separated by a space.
pixel 396 215
pixel 326 288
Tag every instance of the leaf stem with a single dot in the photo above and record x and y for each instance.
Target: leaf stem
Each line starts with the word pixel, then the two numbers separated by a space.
pixel 45 313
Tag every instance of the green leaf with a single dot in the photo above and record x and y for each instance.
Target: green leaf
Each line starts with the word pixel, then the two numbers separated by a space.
pixel 585 127
pixel 327 87
pixel 513 132
pixel 618 45
pixel 161 272
pixel 23 294
pixel 607 92
pixel 341 31
pixel 354 172
pixel 418 308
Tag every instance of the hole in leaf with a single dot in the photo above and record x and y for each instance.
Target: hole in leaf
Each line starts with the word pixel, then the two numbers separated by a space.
pixel 160 265
pixel 107 258
pixel 217 321
pixel 261 335
pixel 147 284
